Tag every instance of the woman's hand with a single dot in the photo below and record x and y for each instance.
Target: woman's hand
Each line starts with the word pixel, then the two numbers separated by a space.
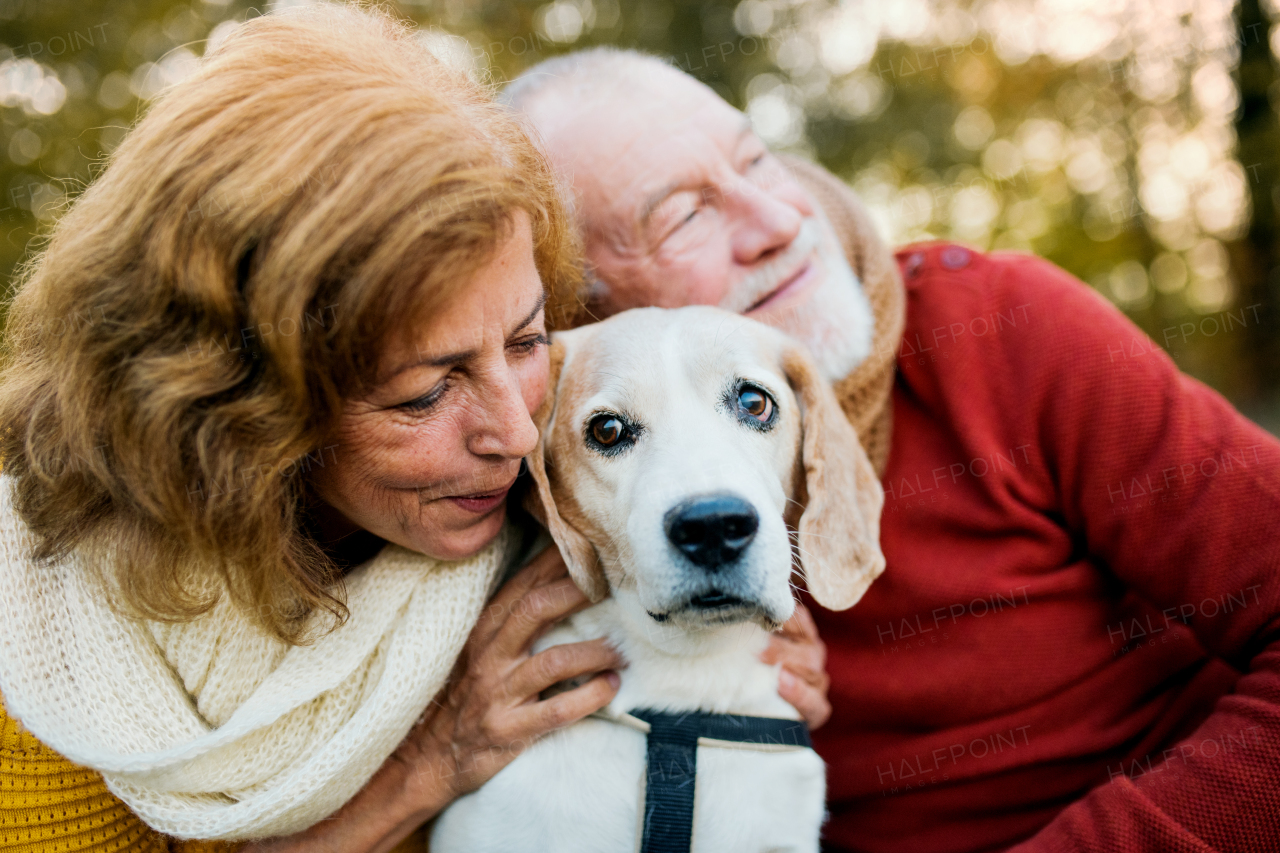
pixel 491 711
pixel 487 714
pixel 803 680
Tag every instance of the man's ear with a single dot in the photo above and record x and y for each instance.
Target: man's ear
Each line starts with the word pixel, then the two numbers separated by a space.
pixel 579 554
pixel 840 526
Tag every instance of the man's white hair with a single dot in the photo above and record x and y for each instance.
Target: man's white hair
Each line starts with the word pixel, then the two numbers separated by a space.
pixel 584 76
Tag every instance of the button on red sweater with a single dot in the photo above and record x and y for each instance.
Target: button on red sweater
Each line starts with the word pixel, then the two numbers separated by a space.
pixel 1076 642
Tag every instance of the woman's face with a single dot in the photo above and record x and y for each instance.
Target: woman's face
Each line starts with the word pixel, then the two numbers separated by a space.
pixel 426 459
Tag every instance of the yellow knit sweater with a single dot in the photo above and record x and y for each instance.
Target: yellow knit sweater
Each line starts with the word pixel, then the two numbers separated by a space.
pixel 49 805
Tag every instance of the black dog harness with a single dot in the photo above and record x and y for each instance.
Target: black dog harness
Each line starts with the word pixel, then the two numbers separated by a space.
pixel 672 765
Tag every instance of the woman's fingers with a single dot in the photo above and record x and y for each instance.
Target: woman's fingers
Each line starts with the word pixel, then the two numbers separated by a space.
pixel 489 711
pixel 547 567
pixel 562 709
pixel 809 700
pixel 560 663
pixel 535 612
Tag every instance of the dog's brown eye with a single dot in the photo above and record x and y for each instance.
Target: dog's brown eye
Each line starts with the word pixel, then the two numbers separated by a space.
pixel 610 434
pixel 607 430
pixel 756 403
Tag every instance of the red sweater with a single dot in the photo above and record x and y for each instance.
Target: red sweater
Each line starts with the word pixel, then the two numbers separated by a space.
pixel 1076 643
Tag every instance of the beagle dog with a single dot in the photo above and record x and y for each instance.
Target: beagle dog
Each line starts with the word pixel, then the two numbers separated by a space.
pixel 689 460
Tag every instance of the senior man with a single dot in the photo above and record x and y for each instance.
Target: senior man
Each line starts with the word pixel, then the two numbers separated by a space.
pixel 1075 643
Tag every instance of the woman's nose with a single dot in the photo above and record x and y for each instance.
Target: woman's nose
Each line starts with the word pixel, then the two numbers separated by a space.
pixel 504 427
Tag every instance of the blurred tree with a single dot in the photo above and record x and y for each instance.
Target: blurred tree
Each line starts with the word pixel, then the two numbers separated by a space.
pixel 71 77
pixel 1257 256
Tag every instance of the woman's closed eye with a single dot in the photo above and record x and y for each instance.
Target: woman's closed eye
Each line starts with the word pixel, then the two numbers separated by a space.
pixel 528 344
pixel 427 400
pixel 523 346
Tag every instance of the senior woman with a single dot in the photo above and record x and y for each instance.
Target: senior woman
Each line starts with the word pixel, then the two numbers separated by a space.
pixel 266 390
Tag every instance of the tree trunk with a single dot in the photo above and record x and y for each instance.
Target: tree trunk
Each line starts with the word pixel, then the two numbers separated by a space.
pixel 1257 256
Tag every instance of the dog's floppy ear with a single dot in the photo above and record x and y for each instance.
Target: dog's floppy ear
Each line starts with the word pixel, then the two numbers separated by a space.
pixel 840 526
pixel 579 554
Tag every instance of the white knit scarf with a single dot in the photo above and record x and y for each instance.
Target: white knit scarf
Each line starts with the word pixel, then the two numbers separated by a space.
pixel 211 729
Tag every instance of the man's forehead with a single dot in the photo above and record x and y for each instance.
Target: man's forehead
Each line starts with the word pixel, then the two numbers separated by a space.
pixel 663 140
pixel 690 150
pixel 629 148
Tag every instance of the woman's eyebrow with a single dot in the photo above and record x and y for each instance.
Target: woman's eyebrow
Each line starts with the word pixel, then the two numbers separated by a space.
pixel 538 306
pixel 450 359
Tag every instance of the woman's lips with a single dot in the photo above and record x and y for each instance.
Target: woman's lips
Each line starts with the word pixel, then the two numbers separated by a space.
pixel 791 285
pixel 481 504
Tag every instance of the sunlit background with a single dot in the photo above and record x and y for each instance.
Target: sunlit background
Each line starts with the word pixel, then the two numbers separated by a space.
pixel 1133 142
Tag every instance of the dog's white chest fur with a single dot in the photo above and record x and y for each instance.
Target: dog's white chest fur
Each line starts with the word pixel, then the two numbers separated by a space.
pixel 580 789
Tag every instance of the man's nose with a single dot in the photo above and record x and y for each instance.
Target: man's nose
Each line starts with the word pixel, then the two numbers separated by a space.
pixel 766 224
pixel 503 426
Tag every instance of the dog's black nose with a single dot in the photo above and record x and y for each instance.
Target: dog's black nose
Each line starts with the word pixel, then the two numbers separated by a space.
pixel 712 530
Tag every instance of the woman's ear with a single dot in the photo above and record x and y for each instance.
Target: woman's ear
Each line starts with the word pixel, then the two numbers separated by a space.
pixel 579 554
pixel 840 526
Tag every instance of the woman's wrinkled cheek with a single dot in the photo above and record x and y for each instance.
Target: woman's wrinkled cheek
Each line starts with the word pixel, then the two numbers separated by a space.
pixel 400 453
pixel 373 471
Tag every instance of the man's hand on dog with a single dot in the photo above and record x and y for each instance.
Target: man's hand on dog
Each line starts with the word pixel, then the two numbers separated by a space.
pixel 803 680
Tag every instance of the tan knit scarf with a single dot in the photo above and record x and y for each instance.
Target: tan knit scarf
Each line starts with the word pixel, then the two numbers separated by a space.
pixel 212 729
pixel 865 393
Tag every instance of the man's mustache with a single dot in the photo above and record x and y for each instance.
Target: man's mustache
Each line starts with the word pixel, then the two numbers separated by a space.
pixel 759 283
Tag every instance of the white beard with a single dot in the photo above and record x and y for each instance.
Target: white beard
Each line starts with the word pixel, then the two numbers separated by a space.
pixel 835 322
